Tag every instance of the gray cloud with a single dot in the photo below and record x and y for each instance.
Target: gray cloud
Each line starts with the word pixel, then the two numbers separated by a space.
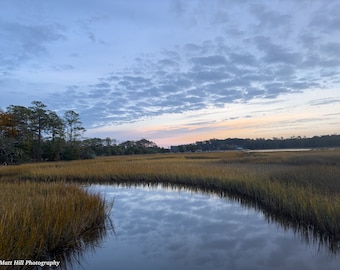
pixel 24 42
pixel 273 90
pixel 207 61
pixel 309 40
pixel 274 53
pixel 269 18
pixel 326 19
pixel 197 76
pixel 332 49
pixel 244 58
pixel 256 51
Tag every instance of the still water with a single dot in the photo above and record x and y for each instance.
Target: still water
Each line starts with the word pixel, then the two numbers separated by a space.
pixel 163 228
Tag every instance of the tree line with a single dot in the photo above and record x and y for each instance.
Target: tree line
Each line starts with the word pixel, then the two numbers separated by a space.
pixel 35 133
pixel 260 143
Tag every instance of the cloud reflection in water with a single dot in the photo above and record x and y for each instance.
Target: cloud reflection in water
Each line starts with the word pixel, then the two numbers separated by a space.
pixel 159 228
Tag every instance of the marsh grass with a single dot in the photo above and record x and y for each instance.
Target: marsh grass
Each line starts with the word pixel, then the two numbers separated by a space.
pixel 302 187
pixel 40 221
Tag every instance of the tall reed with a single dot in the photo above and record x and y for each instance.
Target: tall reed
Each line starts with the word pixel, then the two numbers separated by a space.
pixel 48 220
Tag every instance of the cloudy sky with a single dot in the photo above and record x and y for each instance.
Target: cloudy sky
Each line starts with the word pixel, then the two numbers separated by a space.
pixel 176 71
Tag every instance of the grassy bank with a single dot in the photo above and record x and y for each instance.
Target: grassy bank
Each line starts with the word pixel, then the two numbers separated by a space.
pixel 40 221
pixel 303 187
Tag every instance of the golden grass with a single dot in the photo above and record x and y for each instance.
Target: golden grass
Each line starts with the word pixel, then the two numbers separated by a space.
pixel 47 220
pixel 302 186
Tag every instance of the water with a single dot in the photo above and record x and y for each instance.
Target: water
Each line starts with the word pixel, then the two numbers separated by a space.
pixel 279 150
pixel 158 228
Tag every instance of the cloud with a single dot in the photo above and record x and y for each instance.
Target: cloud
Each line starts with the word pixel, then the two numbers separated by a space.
pixel 325 101
pixel 269 18
pixel 207 61
pixel 332 49
pixel 197 57
pixel 64 67
pixel 274 53
pixel 326 19
pixel 24 42
pixel 244 58
pixel 195 77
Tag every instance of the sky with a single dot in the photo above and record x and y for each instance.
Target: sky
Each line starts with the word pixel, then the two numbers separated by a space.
pixel 176 71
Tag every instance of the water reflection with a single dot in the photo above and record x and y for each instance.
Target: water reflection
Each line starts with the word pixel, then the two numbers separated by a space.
pixel 87 244
pixel 307 233
pixel 172 228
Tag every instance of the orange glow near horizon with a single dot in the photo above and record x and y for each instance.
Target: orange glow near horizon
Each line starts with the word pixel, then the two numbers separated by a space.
pixel 279 125
pixel 245 121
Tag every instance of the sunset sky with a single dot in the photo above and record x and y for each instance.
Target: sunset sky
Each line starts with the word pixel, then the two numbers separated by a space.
pixel 176 71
